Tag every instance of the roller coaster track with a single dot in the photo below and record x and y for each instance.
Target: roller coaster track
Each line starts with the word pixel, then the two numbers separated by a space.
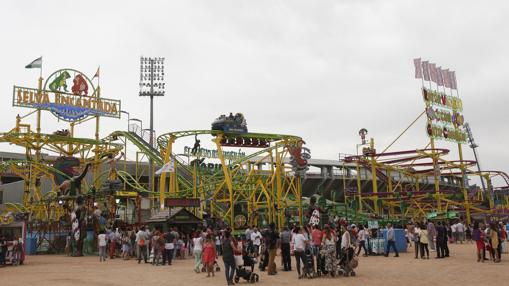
pixel 184 173
pixel 60 144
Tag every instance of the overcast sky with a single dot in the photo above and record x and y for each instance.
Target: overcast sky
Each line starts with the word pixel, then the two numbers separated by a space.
pixel 318 69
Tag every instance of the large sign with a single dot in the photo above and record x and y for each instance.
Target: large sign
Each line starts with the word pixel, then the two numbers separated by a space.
pixel 69 105
pixel 445 120
pixel 213 154
pixel 170 202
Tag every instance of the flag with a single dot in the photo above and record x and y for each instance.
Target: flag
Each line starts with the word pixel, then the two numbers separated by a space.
pixel 433 72
pixel 418 68
pixel 166 168
pixel 35 64
pixel 445 77
pixel 97 73
pixel 440 79
pixel 452 76
pixel 425 70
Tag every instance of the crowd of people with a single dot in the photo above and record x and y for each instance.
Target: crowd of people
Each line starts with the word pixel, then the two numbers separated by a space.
pixel 315 249
pixel 489 238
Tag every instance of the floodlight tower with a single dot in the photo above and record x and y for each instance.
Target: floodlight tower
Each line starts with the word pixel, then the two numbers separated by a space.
pixel 151 84
pixel 474 146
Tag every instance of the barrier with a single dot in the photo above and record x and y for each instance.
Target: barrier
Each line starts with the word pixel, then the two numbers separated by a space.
pixel 401 244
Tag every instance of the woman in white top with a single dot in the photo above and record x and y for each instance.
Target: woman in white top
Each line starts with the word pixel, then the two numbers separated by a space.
pixel 101 240
pixel 299 245
pixel 197 251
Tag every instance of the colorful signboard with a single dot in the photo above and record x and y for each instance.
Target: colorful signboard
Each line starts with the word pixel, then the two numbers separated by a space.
pixel 445 120
pixel 72 105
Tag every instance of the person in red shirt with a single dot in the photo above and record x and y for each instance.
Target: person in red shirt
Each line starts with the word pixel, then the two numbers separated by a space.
pixel 316 241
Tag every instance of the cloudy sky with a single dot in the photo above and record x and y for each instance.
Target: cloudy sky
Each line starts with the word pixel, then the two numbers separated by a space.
pixel 318 69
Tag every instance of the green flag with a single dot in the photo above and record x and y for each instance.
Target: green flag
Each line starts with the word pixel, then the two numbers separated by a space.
pixel 35 64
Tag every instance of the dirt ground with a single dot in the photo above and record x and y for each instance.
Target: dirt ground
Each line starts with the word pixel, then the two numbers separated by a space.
pixel 460 269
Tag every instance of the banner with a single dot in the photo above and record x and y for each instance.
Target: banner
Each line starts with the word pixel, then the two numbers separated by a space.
pixel 440 79
pixel 418 68
pixel 425 70
pixel 452 77
pixel 167 168
pixel 433 72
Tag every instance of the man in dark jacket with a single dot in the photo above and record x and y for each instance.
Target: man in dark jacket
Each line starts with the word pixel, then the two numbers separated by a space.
pixel 441 236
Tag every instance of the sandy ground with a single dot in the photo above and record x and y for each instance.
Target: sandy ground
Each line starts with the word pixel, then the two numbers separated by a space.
pixel 460 269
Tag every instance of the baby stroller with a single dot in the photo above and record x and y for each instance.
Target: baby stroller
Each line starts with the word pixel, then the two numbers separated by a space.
pixel 348 262
pixel 246 271
pixel 309 267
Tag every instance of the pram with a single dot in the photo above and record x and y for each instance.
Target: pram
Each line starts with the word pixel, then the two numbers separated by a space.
pixel 246 271
pixel 14 254
pixel 348 262
pixel 309 264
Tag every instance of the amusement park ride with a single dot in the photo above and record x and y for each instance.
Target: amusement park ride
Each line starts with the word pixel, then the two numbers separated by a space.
pixel 424 183
pixel 254 187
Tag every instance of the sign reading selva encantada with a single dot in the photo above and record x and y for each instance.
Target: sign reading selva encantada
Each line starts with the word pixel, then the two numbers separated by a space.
pixel 70 106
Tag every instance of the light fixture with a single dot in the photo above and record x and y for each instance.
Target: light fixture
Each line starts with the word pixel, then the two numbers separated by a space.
pixel 117 201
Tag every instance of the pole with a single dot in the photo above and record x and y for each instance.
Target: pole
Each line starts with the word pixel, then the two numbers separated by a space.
pixel 151 139
pixel 373 175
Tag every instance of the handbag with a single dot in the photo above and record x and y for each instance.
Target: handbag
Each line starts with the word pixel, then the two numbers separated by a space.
pixel 239 261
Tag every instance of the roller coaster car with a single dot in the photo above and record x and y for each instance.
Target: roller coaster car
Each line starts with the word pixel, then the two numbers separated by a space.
pixel 63 132
pixel 230 124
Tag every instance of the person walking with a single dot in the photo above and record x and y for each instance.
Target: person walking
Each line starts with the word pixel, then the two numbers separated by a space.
pixel 68 244
pixel 169 247
pixel 424 242
pixel 432 232
pixel 361 238
pixel 454 232
pixel 197 251
pixel 329 247
pixel 228 257
pixel 316 242
pixel 391 241
pixel 101 241
pixel 125 246
pixel 299 245
pixel 255 238
pixel 460 229
pixel 440 240
pixel 218 244
pixel 141 242
pixel 112 238
pixel 416 237
pixel 494 242
pixel 273 238
pixel 478 237
pixel 286 238
pixel 209 255
pixel 156 248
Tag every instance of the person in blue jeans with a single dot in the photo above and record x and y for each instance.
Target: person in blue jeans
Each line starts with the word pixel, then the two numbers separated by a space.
pixel 391 241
